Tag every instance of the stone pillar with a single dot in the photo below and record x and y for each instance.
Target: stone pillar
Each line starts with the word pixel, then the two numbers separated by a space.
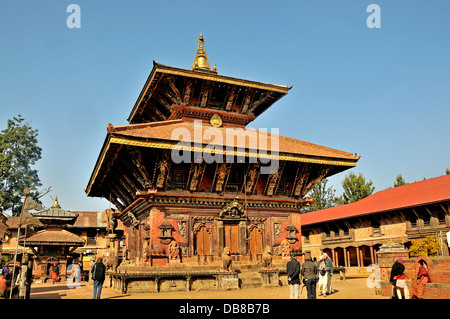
pixel 387 255
pixel 345 257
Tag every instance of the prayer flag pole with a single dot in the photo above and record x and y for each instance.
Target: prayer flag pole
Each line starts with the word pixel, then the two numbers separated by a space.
pixel 26 191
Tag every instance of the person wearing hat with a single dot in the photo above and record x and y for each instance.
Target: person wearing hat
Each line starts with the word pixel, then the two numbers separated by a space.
pixel 309 272
pixel 293 274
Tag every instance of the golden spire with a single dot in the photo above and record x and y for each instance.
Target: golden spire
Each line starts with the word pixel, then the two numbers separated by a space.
pixel 201 62
pixel 55 203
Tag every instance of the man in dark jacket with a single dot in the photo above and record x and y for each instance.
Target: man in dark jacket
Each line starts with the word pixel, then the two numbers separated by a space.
pixel 293 272
pixel 310 272
pixel 98 276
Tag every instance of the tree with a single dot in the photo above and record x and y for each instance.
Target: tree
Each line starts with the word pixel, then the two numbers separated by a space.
pixel 427 247
pixel 399 181
pixel 355 188
pixel 19 150
pixel 323 197
pixel 447 171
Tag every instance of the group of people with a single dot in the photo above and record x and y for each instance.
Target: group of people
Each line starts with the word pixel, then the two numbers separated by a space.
pixel 98 272
pixel 6 273
pixel 313 272
pixel 398 280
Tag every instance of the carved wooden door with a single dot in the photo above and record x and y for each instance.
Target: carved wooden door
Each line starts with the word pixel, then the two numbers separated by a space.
pixel 232 237
pixel 202 242
pixel 256 241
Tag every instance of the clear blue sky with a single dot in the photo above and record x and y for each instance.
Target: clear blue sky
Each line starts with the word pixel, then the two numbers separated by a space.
pixel 383 93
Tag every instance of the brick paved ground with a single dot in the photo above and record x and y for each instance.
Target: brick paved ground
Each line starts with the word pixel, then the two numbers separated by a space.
pixel 351 288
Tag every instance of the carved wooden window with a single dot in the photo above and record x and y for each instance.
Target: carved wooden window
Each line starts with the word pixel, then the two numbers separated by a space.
pixel 236 178
pixel 178 176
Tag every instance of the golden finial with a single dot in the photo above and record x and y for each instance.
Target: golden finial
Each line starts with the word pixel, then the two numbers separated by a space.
pixel 55 203
pixel 201 62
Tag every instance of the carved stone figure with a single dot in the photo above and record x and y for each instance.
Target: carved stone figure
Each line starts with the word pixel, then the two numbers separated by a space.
pixel 226 259
pixel 111 262
pixel 267 258
pixel 285 248
pixel 174 250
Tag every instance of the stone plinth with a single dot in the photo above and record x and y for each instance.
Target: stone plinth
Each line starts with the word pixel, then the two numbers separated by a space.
pixel 228 280
pixel 270 278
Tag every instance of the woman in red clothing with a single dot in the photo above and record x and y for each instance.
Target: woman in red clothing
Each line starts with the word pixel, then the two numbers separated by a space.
pixel 55 273
pixel 423 278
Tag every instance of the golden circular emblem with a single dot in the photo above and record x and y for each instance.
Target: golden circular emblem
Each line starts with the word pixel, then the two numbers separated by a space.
pixel 215 120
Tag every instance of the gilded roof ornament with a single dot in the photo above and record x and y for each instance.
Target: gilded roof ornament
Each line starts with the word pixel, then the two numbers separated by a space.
pixel 55 203
pixel 201 62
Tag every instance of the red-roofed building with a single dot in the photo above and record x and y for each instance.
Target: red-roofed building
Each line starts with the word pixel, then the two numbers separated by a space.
pixel 352 233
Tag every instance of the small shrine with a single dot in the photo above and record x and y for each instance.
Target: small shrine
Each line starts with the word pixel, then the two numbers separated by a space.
pixel 53 243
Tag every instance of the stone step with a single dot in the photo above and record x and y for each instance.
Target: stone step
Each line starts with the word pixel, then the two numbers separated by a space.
pixel 250 280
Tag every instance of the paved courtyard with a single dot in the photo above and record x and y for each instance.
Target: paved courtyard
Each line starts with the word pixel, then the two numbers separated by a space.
pixel 351 288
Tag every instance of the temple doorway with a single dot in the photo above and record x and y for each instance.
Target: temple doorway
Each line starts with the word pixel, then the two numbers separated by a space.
pixel 256 241
pixel 231 234
pixel 202 241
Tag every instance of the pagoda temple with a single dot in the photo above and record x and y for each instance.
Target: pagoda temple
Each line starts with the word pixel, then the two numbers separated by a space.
pixel 53 243
pixel 189 177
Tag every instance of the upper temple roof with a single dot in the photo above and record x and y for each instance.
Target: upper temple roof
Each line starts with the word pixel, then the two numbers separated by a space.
pixel 203 89
pixel 168 86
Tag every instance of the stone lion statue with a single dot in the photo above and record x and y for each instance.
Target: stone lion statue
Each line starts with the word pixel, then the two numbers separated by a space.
pixel 267 258
pixel 111 262
pixel 226 259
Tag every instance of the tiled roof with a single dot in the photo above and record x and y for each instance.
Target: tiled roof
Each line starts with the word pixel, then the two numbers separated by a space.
pixel 54 237
pixel 166 130
pixel 433 190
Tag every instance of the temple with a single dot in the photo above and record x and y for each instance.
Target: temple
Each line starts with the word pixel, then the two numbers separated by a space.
pixel 190 178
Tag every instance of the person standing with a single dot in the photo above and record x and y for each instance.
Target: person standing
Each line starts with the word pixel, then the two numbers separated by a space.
pixel 293 274
pixel 323 276
pixel 55 273
pixel 397 279
pixel 98 276
pixel 329 268
pixel 309 272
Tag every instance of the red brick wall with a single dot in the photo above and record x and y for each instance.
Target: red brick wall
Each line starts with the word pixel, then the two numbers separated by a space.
pixel 438 268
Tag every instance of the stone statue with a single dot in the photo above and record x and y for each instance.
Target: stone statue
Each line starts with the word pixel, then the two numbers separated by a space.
pixel 285 248
pixel 226 259
pixel 174 250
pixel 111 262
pixel 267 258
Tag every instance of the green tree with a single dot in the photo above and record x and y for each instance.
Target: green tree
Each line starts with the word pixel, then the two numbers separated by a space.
pixel 19 150
pixel 400 181
pixel 355 188
pixel 323 196
pixel 447 171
